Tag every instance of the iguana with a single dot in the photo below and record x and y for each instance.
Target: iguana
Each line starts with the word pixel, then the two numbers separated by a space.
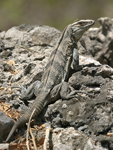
pixel 56 71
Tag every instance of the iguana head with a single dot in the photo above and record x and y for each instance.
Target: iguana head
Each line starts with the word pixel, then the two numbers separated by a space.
pixel 78 28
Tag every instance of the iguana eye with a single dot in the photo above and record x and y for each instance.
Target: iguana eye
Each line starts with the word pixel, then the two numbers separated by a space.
pixel 78 24
pixel 83 24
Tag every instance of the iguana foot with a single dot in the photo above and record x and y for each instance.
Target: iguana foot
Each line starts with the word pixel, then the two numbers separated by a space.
pixel 28 93
pixel 66 92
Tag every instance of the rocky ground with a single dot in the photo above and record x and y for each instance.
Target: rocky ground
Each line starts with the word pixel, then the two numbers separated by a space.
pixel 81 123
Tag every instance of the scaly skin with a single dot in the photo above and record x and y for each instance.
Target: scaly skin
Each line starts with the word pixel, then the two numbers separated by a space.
pixel 56 70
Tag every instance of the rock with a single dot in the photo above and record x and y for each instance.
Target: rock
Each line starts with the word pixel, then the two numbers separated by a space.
pixel 6 53
pixel 4 146
pixel 99 42
pixel 106 141
pixel 6 124
pixel 56 130
pixel 28 68
pixel 17 77
pixel 18 105
pixel 87 60
pixel 70 138
pixel 87 77
pixel 93 145
pixel 32 35
pixel 1 45
pixel 8 44
pixel 105 71
pixel 29 47
pixel 89 115
pixel 2 34
pixel 7 67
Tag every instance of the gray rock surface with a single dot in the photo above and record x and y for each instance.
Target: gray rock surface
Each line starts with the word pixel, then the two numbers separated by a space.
pixel 92 116
pixel 4 146
pixel 82 122
pixel 99 42
pixel 72 139
pixel 31 47
pixel 5 126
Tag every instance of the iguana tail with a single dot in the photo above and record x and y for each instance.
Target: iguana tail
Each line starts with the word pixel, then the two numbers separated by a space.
pixel 38 105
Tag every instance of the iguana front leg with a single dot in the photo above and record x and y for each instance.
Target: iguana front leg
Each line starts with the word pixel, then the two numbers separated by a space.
pixel 66 93
pixel 27 93
pixel 75 61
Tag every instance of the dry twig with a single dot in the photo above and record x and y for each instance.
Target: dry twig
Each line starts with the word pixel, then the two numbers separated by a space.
pixel 46 138
pixel 28 127
pixel 33 139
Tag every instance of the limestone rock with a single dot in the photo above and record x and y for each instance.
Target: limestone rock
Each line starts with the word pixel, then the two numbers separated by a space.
pixel 5 126
pixel 99 42
pixel 29 48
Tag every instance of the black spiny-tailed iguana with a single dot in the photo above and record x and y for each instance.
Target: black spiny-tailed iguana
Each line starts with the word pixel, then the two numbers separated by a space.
pixel 56 71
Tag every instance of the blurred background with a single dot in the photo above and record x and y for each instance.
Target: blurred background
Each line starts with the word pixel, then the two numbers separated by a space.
pixel 56 13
